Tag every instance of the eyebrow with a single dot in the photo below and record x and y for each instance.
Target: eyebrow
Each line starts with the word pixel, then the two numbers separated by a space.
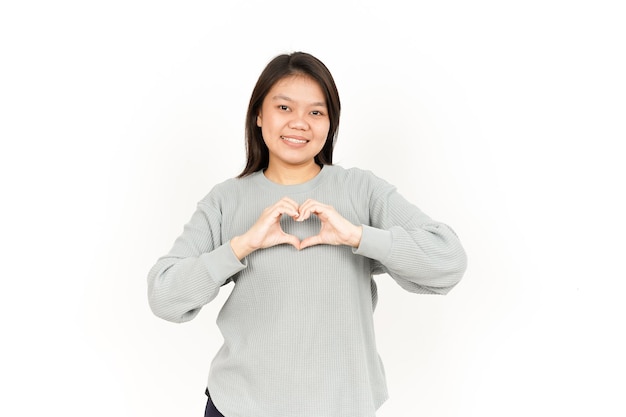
pixel 282 97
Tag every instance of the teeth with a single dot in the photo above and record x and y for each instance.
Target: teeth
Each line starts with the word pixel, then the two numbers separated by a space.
pixel 292 140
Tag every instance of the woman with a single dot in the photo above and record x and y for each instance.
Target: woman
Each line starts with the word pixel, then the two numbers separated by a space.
pixel 300 239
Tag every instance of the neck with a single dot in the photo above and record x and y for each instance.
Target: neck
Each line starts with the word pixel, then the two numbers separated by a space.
pixel 291 175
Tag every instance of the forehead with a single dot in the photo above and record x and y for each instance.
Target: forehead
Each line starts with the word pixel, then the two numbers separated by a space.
pixel 297 88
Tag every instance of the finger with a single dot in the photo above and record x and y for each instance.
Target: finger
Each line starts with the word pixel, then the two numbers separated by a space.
pixel 289 201
pixel 303 210
pixel 320 210
pixel 283 207
pixel 310 206
pixel 290 206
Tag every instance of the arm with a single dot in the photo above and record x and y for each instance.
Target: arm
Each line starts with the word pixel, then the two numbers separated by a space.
pixel 422 255
pixel 191 274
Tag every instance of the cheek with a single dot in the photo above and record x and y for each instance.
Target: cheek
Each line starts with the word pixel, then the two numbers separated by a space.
pixel 264 135
pixel 323 131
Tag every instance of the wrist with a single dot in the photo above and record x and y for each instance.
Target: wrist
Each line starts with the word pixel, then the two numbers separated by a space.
pixel 355 240
pixel 240 247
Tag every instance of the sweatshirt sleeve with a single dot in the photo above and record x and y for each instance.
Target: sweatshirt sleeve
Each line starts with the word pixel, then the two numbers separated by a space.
pixel 420 254
pixel 191 274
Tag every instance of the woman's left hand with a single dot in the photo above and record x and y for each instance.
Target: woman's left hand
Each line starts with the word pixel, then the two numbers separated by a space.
pixel 335 230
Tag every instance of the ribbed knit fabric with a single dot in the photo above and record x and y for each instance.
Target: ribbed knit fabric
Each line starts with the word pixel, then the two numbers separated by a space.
pixel 298 325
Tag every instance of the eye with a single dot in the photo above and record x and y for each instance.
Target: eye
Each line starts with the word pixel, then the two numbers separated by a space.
pixel 317 113
pixel 283 107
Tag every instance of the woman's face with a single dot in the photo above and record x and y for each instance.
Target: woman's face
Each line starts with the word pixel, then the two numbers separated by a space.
pixel 294 121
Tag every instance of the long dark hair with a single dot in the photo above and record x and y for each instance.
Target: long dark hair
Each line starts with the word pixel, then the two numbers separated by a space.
pixel 278 68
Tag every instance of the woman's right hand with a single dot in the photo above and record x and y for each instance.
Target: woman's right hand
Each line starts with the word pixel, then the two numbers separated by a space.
pixel 266 232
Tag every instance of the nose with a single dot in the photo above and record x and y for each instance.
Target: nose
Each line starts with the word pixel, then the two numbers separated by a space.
pixel 298 121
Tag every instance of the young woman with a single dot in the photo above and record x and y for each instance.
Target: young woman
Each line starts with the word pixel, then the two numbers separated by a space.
pixel 300 239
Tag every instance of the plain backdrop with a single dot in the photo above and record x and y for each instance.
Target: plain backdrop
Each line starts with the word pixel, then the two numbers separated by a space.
pixel 504 120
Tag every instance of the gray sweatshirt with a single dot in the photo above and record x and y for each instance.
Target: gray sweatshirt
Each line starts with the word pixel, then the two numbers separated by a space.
pixel 298 325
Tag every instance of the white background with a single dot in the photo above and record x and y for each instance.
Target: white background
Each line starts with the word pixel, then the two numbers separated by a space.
pixel 503 119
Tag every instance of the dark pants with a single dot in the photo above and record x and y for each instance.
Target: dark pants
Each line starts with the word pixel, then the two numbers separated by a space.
pixel 210 410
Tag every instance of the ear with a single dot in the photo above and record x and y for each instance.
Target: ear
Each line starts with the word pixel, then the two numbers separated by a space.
pixel 259 120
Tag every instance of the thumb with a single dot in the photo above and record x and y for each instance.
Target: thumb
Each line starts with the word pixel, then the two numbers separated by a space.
pixel 291 240
pixel 311 241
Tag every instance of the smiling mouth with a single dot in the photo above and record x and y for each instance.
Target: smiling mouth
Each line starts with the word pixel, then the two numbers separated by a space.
pixel 293 140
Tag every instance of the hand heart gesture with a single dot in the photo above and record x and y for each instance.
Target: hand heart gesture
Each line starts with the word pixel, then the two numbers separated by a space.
pixel 266 232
